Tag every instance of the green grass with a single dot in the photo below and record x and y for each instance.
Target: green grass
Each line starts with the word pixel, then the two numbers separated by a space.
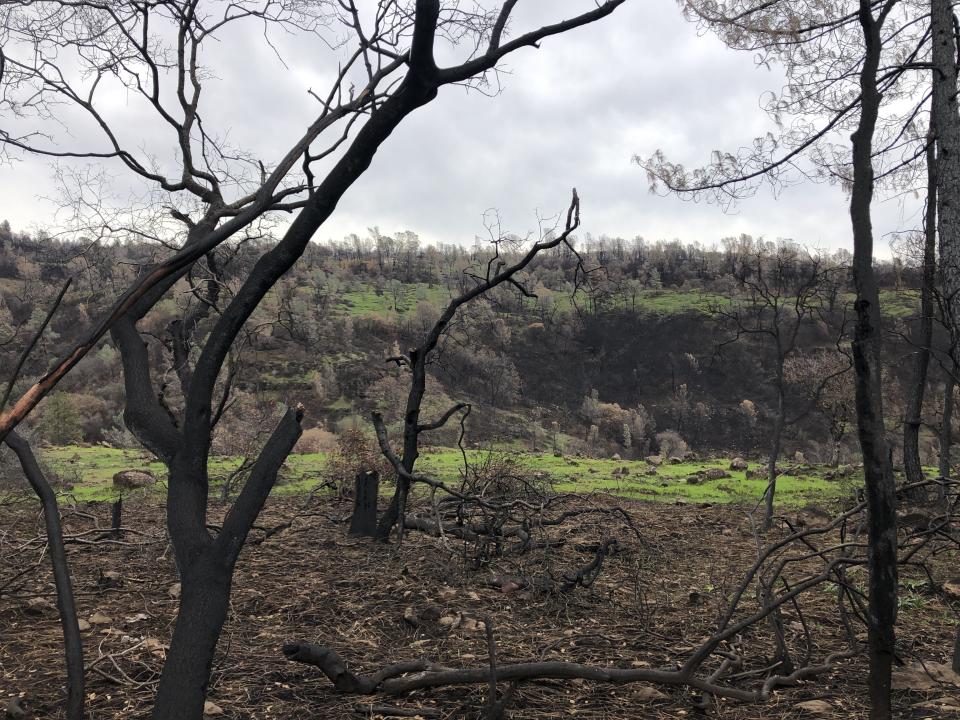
pixel 90 470
pixel 401 300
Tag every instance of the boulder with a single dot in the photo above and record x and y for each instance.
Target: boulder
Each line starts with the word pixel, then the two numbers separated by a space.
pixel 676 460
pixel 715 474
pixel 739 464
pixel 799 459
pixel 951 588
pixel 133 479
pixel 655 460
pixel 615 457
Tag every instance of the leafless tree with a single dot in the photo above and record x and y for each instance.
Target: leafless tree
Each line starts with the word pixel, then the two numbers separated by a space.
pixel 848 64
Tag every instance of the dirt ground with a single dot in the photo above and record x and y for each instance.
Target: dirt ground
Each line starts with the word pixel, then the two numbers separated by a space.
pixel 653 602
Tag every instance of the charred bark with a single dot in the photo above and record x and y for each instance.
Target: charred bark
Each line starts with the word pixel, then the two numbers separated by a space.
pixel 880 488
pixel 923 333
pixel 366 489
pixel 72 643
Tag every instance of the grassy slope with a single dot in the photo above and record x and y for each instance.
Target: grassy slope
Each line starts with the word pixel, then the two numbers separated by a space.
pixel 90 470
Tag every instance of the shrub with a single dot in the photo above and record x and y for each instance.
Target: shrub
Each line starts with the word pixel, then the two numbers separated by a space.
pixel 671 444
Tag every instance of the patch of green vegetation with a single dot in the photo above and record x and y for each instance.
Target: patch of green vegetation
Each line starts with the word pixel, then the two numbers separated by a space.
pixel 90 470
pixel 900 303
pixel 393 299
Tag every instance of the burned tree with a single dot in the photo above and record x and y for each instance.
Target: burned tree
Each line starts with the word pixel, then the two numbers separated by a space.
pixel 780 303
pixel 496 272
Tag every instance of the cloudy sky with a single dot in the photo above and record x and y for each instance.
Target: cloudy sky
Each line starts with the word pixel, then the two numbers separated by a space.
pixel 572 113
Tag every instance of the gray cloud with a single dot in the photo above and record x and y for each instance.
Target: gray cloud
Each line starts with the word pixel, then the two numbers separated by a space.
pixel 571 113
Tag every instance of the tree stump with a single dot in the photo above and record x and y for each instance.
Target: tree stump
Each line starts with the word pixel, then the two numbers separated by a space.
pixel 365 492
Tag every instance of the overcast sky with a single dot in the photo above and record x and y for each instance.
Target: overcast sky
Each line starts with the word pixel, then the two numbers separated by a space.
pixel 573 113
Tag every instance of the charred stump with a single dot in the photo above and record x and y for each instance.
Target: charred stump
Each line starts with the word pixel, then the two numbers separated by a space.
pixel 365 492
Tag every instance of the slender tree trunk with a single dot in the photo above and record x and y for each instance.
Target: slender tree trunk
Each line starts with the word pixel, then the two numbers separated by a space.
pixel 923 334
pixel 880 489
pixel 72 644
pixel 772 462
pixel 946 430
pixel 203 611
pixel 946 123
pixel 396 511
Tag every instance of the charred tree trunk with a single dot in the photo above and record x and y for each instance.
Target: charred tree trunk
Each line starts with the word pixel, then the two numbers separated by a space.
pixel 203 610
pixel 946 425
pixel 923 334
pixel 72 644
pixel 880 488
pixel 777 439
pixel 366 488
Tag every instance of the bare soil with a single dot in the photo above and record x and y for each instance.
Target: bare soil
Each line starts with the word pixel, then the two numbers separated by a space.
pixel 654 601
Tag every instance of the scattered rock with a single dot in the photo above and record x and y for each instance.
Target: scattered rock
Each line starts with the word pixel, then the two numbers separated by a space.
pixel 655 460
pixel 799 458
pixel 915 520
pixel 816 707
pixel 447 593
pixel 716 474
pixel 676 460
pixel 423 616
pixel 211 708
pixel 14 708
pixel 154 646
pixel 133 479
pixel 98 618
pixel 924 677
pixel 646 693
pixel 174 591
pixel 694 479
pixel 951 588
pixel 946 705
pixel 844 471
pixel 39 606
pixel 615 457
pixel 83 625
pixel 739 464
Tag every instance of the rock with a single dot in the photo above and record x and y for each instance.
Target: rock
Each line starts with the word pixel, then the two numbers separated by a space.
pixel 652 472
pixel 716 474
pixel 924 677
pixel 211 708
pixel 615 457
pixel 915 520
pixel 98 618
pixel 655 460
pixel 174 591
pixel 799 458
pixel 739 464
pixel 39 606
pixel 676 460
pixel 423 616
pixel 83 625
pixel 951 588
pixel 844 471
pixel 726 532
pixel 557 453
pixel 694 479
pixel 447 593
pixel 14 708
pixel 133 479
pixel 816 707
pixel 646 693
pixel 946 705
